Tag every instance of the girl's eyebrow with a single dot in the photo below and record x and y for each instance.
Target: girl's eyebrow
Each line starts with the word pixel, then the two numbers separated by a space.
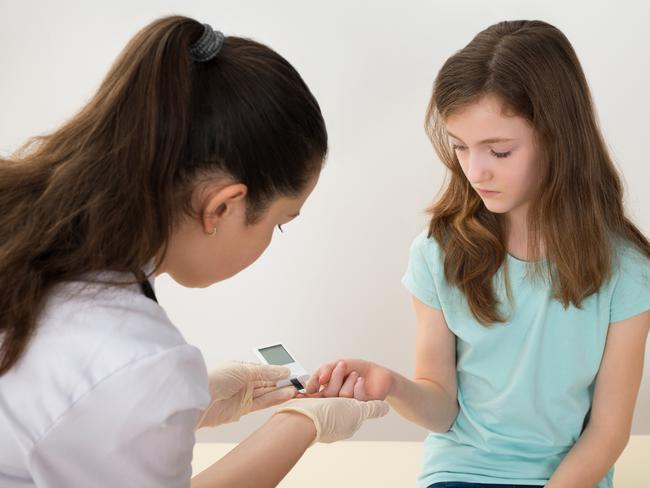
pixel 485 141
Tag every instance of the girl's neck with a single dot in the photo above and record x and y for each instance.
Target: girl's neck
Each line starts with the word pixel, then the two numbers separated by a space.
pixel 517 250
pixel 517 238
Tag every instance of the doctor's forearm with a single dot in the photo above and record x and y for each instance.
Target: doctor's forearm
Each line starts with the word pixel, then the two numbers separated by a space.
pixel 423 402
pixel 263 458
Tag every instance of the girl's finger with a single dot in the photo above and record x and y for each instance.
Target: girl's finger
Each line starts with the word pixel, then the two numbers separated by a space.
pixel 320 377
pixel 326 372
pixel 360 390
pixel 312 383
pixel 336 380
pixel 347 389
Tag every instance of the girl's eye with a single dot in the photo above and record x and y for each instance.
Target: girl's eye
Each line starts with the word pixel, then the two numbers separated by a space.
pixel 500 154
pixel 280 227
pixel 458 147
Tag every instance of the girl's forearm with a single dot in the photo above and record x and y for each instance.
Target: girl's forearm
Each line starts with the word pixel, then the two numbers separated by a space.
pixel 264 458
pixel 588 461
pixel 423 402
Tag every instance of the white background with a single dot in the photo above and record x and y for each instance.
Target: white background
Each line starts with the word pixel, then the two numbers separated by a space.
pixel 330 285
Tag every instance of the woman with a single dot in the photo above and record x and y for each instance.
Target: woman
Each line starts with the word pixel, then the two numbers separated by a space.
pixel 194 149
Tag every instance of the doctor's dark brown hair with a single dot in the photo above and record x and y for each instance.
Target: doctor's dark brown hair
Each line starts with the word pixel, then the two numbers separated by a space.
pixel 105 190
pixel 577 212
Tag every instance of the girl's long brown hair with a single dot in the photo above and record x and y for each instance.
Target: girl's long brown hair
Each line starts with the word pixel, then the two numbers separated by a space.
pixel 577 212
pixel 104 191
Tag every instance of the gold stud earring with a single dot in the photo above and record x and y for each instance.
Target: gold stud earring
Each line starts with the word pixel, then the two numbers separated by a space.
pixel 214 231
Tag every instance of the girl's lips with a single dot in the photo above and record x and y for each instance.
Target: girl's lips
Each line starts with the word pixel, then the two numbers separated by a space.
pixel 486 193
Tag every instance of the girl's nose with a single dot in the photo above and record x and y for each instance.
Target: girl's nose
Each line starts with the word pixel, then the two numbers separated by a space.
pixel 477 168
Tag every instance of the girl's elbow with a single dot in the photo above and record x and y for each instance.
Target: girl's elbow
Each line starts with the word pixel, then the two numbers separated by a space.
pixel 446 425
pixel 616 438
pixel 621 441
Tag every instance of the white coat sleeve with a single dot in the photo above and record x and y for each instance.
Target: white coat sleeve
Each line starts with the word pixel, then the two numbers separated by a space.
pixel 135 428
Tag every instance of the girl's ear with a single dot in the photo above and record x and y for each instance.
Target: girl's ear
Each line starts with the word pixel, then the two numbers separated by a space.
pixel 220 203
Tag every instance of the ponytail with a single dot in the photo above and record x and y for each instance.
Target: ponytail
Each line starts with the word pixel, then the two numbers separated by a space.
pixel 104 191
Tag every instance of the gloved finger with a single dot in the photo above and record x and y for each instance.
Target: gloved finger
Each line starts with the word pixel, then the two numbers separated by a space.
pixel 275 397
pixel 263 390
pixel 336 380
pixel 374 409
pixel 268 372
pixel 262 387
pixel 360 389
pixel 347 389
pixel 318 394
pixel 263 383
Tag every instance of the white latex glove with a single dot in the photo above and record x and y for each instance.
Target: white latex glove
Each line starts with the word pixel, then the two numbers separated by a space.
pixel 238 388
pixel 336 418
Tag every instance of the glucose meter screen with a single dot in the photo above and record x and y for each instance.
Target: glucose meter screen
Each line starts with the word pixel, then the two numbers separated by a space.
pixel 277 355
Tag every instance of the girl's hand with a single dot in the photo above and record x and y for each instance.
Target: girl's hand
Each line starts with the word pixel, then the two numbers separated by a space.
pixel 350 378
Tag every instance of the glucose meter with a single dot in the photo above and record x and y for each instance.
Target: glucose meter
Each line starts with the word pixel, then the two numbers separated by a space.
pixel 278 355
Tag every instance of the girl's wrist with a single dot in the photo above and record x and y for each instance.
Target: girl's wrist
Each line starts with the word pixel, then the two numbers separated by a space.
pixel 395 385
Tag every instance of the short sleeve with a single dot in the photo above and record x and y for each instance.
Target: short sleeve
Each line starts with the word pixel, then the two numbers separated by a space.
pixel 133 429
pixel 631 290
pixel 419 278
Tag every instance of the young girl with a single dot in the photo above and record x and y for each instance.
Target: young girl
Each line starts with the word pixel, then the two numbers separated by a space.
pixel 531 287
pixel 192 151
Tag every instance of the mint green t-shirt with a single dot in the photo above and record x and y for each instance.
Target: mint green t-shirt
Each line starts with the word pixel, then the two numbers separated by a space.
pixel 524 386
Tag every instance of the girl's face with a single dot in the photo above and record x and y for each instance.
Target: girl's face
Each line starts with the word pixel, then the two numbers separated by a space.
pixel 497 153
pixel 196 259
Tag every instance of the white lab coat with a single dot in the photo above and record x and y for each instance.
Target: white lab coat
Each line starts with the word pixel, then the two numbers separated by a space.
pixel 107 394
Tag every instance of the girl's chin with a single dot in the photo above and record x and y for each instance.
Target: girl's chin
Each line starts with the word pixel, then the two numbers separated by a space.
pixel 496 207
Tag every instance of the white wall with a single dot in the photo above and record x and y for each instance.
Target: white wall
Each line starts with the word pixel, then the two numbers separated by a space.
pixel 330 285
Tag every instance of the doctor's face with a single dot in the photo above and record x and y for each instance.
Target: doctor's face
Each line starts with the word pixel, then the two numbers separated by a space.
pixel 197 259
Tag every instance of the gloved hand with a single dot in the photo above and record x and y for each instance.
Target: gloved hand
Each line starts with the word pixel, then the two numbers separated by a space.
pixel 336 418
pixel 238 388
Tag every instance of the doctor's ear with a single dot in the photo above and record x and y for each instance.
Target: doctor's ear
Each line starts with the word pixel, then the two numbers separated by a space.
pixel 222 202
